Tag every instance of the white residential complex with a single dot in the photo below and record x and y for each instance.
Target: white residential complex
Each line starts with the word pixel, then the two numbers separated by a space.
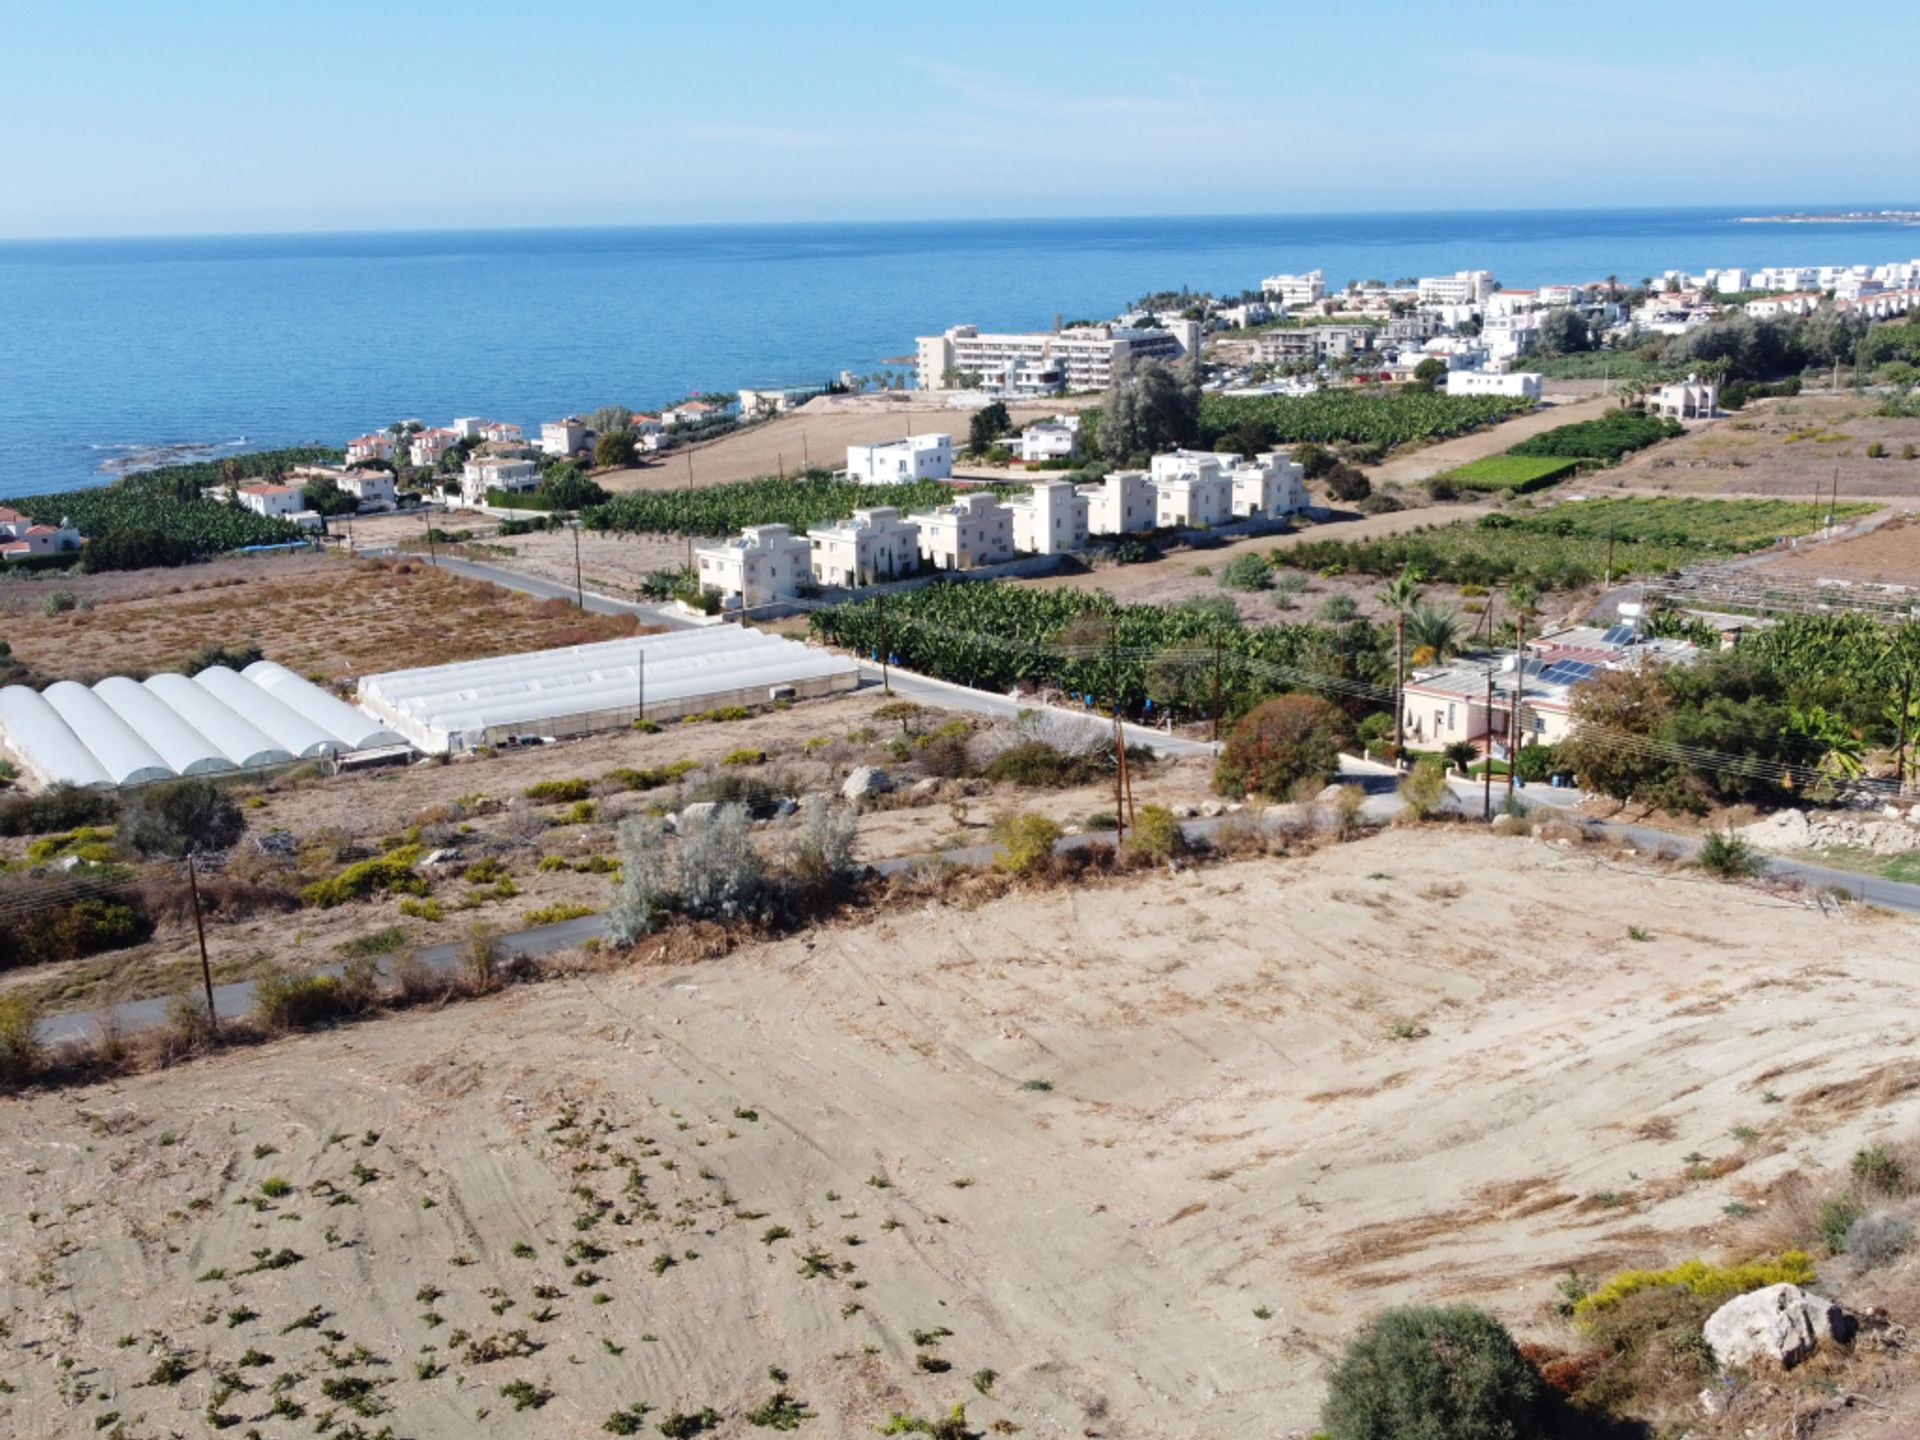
pixel 872 546
pixel 1521 383
pixel 974 530
pixel 897 462
pixel 1292 290
pixel 1463 287
pixel 762 564
pixel 1051 519
pixel 1082 358
pixel 496 472
pixel 1121 504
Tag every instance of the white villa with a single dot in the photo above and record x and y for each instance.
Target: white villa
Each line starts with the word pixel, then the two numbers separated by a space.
pixel 1523 384
pixel 276 502
pixel 21 538
pixel 565 437
pixel 496 472
pixel 897 462
pixel 1688 399
pixel 1192 488
pixel 871 545
pixel 763 563
pixel 378 445
pixel 1269 486
pixel 1121 504
pixel 425 447
pixel 1054 439
pixel 1051 519
pixel 974 530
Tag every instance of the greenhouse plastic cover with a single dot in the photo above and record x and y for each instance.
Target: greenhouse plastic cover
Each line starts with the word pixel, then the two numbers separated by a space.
pixel 436 706
pixel 123 732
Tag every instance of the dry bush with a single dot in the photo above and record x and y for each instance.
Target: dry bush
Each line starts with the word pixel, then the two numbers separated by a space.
pixel 480 969
pixel 415 982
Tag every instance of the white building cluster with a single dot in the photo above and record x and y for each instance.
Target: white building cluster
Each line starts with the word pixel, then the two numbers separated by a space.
pixel 1081 357
pixel 1186 489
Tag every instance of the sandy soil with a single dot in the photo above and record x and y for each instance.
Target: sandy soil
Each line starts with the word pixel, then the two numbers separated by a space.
pixel 474 808
pixel 326 615
pixel 1754 452
pixel 818 433
pixel 1149 1152
pixel 1888 554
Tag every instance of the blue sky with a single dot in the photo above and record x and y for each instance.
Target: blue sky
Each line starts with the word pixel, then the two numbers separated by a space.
pixel 206 116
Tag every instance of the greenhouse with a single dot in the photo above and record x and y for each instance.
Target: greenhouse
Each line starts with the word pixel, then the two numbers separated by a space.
pixel 124 732
pixel 582 688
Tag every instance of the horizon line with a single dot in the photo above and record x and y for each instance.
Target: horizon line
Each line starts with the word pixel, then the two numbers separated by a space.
pixel 1736 212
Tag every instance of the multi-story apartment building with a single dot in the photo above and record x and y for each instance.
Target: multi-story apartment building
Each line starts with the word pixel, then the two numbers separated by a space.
pixel 974 530
pixel 1051 519
pixel 1291 290
pixel 869 546
pixel 761 564
pixel 1463 287
pixel 1083 358
pixel 897 462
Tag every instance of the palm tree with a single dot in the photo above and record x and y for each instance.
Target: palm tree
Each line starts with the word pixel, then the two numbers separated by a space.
pixel 1400 596
pixel 1462 753
pixel 1434 630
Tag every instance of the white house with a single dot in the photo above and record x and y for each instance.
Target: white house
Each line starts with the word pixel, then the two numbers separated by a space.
pixel 274 501
pixel 1513 302
pixel 1054 439
pixel 1689 399
pixel 697 412
pixel 1270 486
pixel 1463 287
pixel 896 462
pixel 761 564
pixel 1291 290
pixel 974 530
pixel 1121 504
pixel 496 472
pixel 1523 384
pixel 376 446
pixel 871 545
pixel 427 446
pixel 1802 303
pixel 565 437
pixel 20 537
pixel 1193 488
pixel 755 403
pixel 374 489
pixel 1050 519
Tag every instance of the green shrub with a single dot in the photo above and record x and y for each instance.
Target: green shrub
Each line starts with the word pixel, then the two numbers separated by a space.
pixel 1835 1222
pixel 20 1051
pixel 88 843
pixel 745 755
pixel 1026 842
pixel 1879 1239
pixel 178 816
pixel 1280 743
pixel 284 1000
pixel 1156 835
pixel 1730 857
pixel 59 603
pixel 63 807
pixel 627 778
pixel 1423 1373
pixel 1537 763
pixel 391 873
pixel 1714 1284
pixel 558 791
pixel 1878 1168
pixel 1876 450
pixel 581 812
pixel 1424 787
pixel 422 909
pixel 1034 764
pixel 553 914
pixel 484 871
pixel 1247 572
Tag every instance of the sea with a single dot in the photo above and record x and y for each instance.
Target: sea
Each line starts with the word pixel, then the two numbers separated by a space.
pixel 116 354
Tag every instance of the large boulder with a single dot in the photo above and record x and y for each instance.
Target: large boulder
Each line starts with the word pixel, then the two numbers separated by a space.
pixel 1781 1323
pixel 866 780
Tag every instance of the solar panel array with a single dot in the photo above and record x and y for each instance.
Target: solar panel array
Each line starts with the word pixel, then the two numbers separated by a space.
pixel 1569 672
pixel 1619 635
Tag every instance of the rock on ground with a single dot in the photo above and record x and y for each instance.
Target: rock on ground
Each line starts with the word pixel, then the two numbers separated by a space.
pixel 866 780
pixel 1781 1323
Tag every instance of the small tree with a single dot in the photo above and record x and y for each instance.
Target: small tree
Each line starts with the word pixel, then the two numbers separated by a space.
pixel 1026 842
pixel 177 816
pixel 644 884
pixel 989 423
pixel 1346 484
pixel 615 449
pixel 1423 1373
pixel 1280 743
pixel 1424 788
pixel 1462 753
pixel 1247 572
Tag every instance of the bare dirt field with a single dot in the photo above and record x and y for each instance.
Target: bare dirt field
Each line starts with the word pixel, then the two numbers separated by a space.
pixel 328 615
pixel 1130 1160
pixel 1792 448
pixel 1887 554
pixel 474 809
pixel 818 433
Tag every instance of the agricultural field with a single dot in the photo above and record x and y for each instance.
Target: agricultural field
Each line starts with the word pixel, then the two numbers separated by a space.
pixel 167 502
pixel 1565 546
pixel 323 615
pixel 1386 419
pixel 995 636
pixel 1789 447
pixel 1514 473
pixel 1603 441
pixel 942 1157
pixel 797 501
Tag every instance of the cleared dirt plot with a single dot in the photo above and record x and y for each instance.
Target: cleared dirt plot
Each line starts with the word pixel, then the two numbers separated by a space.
pixel 1131 1158
pixel 1888 554
pixel 1788 447
pixel 326 616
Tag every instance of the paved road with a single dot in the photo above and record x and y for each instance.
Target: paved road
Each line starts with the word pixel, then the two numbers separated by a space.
pixel 654 614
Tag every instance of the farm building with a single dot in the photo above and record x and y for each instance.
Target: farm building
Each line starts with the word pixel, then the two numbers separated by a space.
pixel 124 732
pixel 583 688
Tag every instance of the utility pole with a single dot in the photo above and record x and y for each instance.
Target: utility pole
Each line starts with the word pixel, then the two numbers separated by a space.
pixel 689 510
pixel 200 930
pixel 1486 775
pixel 1900 756
pixel 579 591
pixel 639 681
pixel 1519 690
pixel 432 557
pixel 1119 739
pixel 880 614
pixel 1216 689
pixel 1608 585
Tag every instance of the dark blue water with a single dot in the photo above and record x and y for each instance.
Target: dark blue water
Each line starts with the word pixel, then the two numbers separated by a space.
pixel 111 345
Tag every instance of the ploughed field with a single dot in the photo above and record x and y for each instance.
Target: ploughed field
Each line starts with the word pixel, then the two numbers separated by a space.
pixel 1133 1158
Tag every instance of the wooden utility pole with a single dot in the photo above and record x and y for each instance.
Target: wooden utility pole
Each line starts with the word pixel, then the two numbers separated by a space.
pixel 1216 689
pixel 200 930
pixel 639 681
pixel 880 614
pixel 1119 739
pixel 579 591
pixel 1486 775
pixel 432 556
pixel 1608 583
pixel 689 510
pixel 1519 691
pixel 1900 755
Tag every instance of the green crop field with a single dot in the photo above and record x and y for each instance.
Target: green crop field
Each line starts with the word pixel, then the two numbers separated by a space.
pixel 1604 440
pixel 1517 473
pixel 1565 547
pixel 1386 418
pixel 797 501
